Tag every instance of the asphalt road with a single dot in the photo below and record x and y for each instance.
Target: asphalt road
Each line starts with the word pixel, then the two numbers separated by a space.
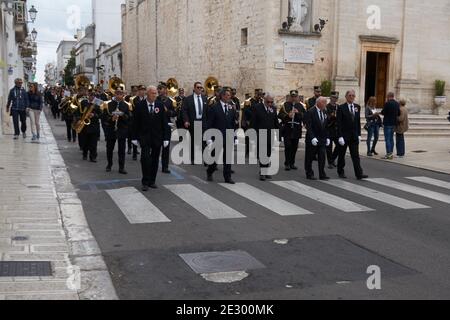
pixel 324 255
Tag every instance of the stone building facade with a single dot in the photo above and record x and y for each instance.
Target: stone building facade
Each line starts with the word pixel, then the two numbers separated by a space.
pixel 372 46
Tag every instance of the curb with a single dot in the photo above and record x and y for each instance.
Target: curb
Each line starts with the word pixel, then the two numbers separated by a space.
pixel 85 254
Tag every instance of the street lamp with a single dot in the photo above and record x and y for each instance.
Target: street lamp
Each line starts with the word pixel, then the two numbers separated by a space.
pixel 34 34
pixel 33 12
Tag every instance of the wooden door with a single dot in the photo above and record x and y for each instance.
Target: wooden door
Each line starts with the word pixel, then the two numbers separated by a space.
pixel 382 74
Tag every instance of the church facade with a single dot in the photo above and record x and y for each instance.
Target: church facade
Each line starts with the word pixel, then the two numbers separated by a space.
pixel 372 46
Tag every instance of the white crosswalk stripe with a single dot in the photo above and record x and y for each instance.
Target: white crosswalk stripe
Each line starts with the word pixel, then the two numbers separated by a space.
pixel 376 195
pixel 204 203
pixel 322 197
pixel 412 189
pixel 136 207
pixel 433 182
pixel 266 200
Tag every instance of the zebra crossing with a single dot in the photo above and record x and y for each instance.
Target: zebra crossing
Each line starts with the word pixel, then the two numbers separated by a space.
pixel 138 209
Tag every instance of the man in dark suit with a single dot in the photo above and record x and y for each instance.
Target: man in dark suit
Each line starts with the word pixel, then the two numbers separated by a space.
pixel 194 111
pixel 222 116
pixel 317 139
pixel 349 131
pixel 332 154
pixel 141 89
pixel 151 131
pixel 264 117
pixel 170 108
pixel 89 133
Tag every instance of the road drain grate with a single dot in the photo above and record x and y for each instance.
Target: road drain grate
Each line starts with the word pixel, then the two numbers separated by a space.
pixel 25 269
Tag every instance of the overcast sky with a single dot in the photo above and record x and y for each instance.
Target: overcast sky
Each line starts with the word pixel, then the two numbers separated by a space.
pixel 54 24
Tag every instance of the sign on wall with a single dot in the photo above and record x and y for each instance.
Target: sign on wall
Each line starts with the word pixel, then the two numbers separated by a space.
pixel 299 51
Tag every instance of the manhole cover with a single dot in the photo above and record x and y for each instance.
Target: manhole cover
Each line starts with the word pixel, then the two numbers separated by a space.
pixel 215 262
pixel 25 269
pixel 20 239
pixel 419 151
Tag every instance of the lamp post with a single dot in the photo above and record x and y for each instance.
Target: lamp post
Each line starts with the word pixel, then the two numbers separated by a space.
pixel 34 34
pixel 33 13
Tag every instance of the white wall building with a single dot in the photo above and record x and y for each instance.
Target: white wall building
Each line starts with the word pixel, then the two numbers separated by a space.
pixel 85 54
pixel 51 74
pixel 62 57
pixel 13 32
pixel 109 62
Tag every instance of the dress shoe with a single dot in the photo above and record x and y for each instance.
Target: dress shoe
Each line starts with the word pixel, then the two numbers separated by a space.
pixel 229 181
pixel 122 171
pixel 287 168
pixel 325 178
pixel 108 169
pixel 311 178
pixel 364 176
pixel 374 153
pixel 342 176
pixel 153 186
pixel 210 178
pixel 93 160
pixel 129 151
pixel 369 154
pixel 232 172
pixel 269 177
pixel 262 178
pixel 166 171
pixel 134 158
pixel 294 168
pixel 145 188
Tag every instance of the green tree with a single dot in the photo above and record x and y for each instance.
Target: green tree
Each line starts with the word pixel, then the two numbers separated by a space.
pixel 68 70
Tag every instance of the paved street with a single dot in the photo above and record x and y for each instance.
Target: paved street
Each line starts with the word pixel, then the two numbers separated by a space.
pixel 286 239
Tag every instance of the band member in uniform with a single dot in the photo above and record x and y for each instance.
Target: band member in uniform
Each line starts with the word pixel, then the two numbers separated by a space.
pixel 291 115
pixel 194 111
pixel 349 133
pixel 264 117
pixel 134 101
pixel 180 102
pixel 68 115
pixel 170 109
pixel 332 154
pixel 92 113
pixel 151 131
pixel 316 138
pixel 312 101
pixel 222 116
pixel 116 115
pixel 235 99
pixel 247 113
pixel 76 99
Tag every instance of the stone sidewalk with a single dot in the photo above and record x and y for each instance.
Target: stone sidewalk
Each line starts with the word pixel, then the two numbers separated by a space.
pixel 42 219
pixel 424 153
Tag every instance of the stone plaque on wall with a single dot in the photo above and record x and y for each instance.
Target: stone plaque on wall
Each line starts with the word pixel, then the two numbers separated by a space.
pixel 299 51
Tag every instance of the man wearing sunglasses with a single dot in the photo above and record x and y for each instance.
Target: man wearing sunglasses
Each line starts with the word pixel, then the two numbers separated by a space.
pixel 194 111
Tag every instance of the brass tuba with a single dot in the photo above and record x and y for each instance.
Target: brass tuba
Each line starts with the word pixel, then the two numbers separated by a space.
pixel 114 84
pixel 172 87
pixel 210 84
pixel 82 81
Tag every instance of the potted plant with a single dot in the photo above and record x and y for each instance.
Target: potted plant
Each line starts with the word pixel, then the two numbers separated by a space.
pixel 440 100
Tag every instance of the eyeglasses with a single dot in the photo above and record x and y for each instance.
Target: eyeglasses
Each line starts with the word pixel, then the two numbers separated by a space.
pixel 269 102
pixel 199 88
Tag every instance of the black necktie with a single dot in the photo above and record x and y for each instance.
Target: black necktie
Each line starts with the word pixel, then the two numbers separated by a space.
pixel 151 109
pixel 200 109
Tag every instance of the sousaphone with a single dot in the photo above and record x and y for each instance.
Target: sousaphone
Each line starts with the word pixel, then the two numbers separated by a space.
pixel 210 84
pixel 172 87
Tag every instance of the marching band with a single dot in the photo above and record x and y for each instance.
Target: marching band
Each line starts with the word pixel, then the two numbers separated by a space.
pixel 125 118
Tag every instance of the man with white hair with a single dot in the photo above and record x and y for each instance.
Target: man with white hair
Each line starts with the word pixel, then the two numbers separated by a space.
pixel 264 117
pixel 317 139
pixel 151 131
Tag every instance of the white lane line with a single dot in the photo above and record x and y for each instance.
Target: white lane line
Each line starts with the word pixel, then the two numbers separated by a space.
pixel 268 201
pixel 433 182
pixel 205 204
pixel 136 207
pixel 322 197
pixel 376 195
pixel 412 189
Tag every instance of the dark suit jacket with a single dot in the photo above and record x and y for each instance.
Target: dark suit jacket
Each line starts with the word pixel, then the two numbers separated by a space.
pixel 122 124
pixel 261 119
pixel 217 119
pixel 315 128
pixel 189 113
pixel 151 129
pixel 348 127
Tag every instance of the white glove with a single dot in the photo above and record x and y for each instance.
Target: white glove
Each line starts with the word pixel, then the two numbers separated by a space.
pixel 360 139
pixel 166 144
pixel 209 142
pixel 315 142
pixel 342 142
pixel 236 142
pixel 135 142
pixel 328 142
